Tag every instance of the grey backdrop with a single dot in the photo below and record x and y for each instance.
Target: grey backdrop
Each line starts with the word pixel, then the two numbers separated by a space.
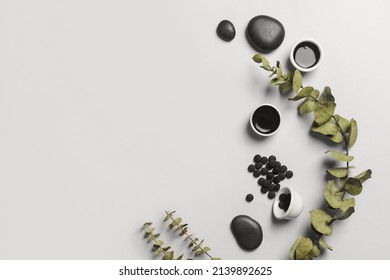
pixel 113 111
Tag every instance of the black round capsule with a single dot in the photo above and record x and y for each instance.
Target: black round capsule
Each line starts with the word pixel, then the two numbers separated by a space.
pixel 276 170
pixel 268 166
pixel 271 195
pixel 272 158
pixel 251 168
pixel 271 188
pixel 276 180
pixel 256 158
pixel 283 197
pixel 270 175
pixel 266 184
pixel 278 164
pixel 272 163
pixel 277 187
pixel 264 190
pixel 283 168
pixel 249 197
pixel 260 181
pixel 264 160
pixel 289 174
pixel 256 173
pixel 264 171
pixel 282 205
pixel 282 176
pixel 258 165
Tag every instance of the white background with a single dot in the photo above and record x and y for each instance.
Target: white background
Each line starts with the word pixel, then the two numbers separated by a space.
pixel 113 111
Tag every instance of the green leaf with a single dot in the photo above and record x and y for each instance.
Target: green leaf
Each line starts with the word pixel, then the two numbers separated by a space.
pixel 294 247
pixel 315 93
pixel 338 172
pixel 197 247
pixel 258 58
pixel 347 203
pixel 148 224
pixel 166 248
pixel 324 244
pixel 304 249
pixel 180 257
pixel 265 63
pixel 193 242
pixel 337 138
pixel 341 156
pixel 307 106
pixel 289 76
pixel 276 82
pixel 215 259
pixel 177 221
pixel 305 92
pixel 328 128
pixel 353 186
pixel 346 214
pixel 316 251
pixel 206 249
pixel 332 195
pixel 157 252
pixel 150 230
pixel 168 255
pixel 279 72
pixel 169 215
pixel 324 112
pixel 284 88
pixel 326 96
pixel 364 176
pixel 353 133
pixel 297 81
pixel 188 237
pixel 344 123
pixel 320 221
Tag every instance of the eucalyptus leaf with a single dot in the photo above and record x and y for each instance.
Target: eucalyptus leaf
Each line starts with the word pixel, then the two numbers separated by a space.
pixel 341 156
pixel 353 186
pixel 338 172
pixel 332 195
pixel 215 259
pixel 326 96
pixel 303 93
pixel 180 257
pixel 297 81
pixel 265 63
pixel 320 221
pixel 353 133
pixel 304 249
pixel 328 128
pixel 314 94
pixel 168 255
pixel 147 224
pixel 307 106
pixel 347 203
pixel 284 88
pixel 157 252
pixel 337 138
pixel 289 76
pixel 316 251
pixel 345 215
pixel 364 176
pixel 177 221
pixel 294 247
pixel 279 72
pixel 324 244
pixel 324 112
pixel 276 82
pixel 344 123
pixel 258 58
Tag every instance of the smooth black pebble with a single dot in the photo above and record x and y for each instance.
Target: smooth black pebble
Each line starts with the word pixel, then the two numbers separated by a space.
pixel 247 231
pixel 265 33
pixel 226 30
pixel 270 175
pixel 251 168
pixel 249 197
pixel 272 158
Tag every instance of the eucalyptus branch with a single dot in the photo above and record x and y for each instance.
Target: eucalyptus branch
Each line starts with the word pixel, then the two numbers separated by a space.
pixel 183 231
pixel 337 129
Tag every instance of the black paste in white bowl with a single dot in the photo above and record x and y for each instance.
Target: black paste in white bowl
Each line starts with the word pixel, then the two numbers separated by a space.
pixel 265 120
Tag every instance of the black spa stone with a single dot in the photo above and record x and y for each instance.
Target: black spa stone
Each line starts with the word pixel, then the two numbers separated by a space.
pixel 247 232
pixel 265 33
pixel 226 30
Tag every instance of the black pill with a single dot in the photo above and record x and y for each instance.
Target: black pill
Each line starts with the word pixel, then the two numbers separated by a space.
pixel 272 163
pixel 278 164
pixel 257 158
pixel 271 195
pixel 271 188
pixel 256 173
pixel 283 197
pixel 264 190
pixel 276 170
pixel 276 180
pixel 268 166
pixel 283 168
pixel 258 165
pixel 264 171
pixel 271 158
pixel 264 160
pixel 249 197
pixel 270 175
pixel 266 184
pixel 260 181
pixel 251 168
pixel 289 174
pixel 277 187
pixel 282 205
pixel 282 176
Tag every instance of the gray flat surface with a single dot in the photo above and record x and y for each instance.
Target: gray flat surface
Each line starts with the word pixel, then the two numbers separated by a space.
pixel 113 111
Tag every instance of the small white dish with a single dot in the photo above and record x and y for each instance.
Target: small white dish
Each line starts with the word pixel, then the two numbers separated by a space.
pixel 265 120
pixel 306 55
pixel 295 208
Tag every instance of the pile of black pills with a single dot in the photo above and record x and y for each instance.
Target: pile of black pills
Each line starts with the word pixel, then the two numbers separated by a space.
pixel 284 201
pixel 270 173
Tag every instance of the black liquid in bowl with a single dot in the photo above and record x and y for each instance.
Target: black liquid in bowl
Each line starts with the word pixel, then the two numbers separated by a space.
pixel 266 119
pixel 306 54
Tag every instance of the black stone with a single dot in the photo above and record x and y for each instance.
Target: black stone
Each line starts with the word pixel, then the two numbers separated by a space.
pixel 272 163
pixel 226 30
pixel 289 174
pixel 265 33
pixel 257 158
pixel 249 197
pixel 264 160
pixel 247 231
pixel 258 165
pixel 271 195
pixel 251 168
pixel 256 173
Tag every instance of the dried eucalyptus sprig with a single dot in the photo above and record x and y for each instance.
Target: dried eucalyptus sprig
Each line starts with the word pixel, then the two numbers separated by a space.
pixel 337 129
pixel 182 230
pixel 158 244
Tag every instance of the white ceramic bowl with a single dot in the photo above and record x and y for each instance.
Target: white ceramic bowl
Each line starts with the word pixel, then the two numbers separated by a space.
pixel 277 114
pixel 315 66
pixel 295 208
